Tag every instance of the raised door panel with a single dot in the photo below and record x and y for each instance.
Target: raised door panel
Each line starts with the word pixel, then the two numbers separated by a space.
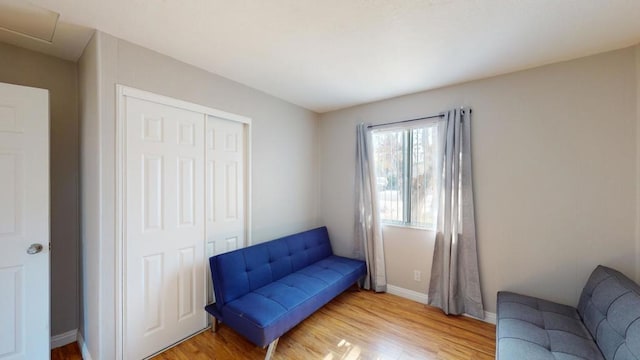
pixel 211 192
pixel 152 194
pixel 186 284
pixel 231 188
pixel 186 192
pixel 152 283
pixel 11 186
pixel 13 311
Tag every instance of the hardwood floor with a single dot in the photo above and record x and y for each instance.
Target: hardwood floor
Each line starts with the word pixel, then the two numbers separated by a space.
pixel 355 325
pixel 71 351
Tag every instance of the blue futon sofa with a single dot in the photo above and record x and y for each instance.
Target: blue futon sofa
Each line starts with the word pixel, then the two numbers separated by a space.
pixel 264 290
pixel 606 324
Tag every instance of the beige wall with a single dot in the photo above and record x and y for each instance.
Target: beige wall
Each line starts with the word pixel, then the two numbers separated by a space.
pixel 554 157
pixel 25 67
pixel 283 154
pixel 410 248
pixel 638 163
pixel 88 76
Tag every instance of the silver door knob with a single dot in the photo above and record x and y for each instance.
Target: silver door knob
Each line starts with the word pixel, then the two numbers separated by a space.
pixel 34 249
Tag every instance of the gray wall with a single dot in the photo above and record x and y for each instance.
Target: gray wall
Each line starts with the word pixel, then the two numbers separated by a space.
pixel 637 234
pixel 554 153
pixel 88 77
pixel 284 159
pixel 25 67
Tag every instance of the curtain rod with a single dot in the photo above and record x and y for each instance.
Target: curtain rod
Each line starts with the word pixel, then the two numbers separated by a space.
pixel 404 121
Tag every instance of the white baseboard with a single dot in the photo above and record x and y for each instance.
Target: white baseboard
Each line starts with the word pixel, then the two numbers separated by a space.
pixel 489 317
pixel 63 339
pixel 407 294
pixel 83 348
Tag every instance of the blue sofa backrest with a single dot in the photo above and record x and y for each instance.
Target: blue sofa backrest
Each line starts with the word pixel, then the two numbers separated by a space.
pixel 610 309
pixel 241 271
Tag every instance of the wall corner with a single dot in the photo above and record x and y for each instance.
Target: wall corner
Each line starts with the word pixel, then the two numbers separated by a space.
pixel 637 98
pixel 108 69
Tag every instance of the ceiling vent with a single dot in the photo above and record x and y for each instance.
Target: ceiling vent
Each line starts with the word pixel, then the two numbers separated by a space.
pixel 23 18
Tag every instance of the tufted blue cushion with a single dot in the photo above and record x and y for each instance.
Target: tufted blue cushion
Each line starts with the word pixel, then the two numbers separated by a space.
pixel 609 312
pixel 264 290
pixel 241 271
pixel 268 312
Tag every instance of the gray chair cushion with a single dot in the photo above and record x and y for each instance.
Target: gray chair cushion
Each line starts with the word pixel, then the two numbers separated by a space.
pixel 536 329
pixel 610 308
pixel 606 324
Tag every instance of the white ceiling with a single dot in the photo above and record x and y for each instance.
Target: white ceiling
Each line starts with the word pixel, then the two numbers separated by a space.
pixel 329 54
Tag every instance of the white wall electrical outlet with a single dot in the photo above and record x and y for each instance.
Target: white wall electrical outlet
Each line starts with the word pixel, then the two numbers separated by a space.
pixel 416 275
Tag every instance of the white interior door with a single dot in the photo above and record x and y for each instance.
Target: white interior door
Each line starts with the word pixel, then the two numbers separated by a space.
pixel 164 230
pixel 225 189
pixel 24 220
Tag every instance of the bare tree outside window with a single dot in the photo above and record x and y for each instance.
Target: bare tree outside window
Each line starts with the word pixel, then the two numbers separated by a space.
pixel 405 173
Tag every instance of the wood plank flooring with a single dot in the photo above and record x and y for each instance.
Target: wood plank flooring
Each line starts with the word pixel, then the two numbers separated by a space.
pixel 355 325
pixel 71 351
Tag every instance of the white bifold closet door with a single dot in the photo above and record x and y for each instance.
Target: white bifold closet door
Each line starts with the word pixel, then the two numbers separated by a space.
pixel 225 178
pixel 164 226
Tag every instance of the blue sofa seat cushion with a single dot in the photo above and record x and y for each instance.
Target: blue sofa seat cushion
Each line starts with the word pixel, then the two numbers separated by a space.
pixel 532 328
pixel 268 312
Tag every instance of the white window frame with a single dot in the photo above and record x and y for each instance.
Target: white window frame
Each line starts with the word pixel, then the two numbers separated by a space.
pixel 406 175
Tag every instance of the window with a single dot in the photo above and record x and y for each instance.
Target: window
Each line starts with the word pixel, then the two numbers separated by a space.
pixel 405 164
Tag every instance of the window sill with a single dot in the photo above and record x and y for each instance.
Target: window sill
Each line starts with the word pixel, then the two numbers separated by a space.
pixel 412 227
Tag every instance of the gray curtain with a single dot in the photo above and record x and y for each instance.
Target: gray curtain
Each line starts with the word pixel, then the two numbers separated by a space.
pixel 455 279
pixel 368 233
